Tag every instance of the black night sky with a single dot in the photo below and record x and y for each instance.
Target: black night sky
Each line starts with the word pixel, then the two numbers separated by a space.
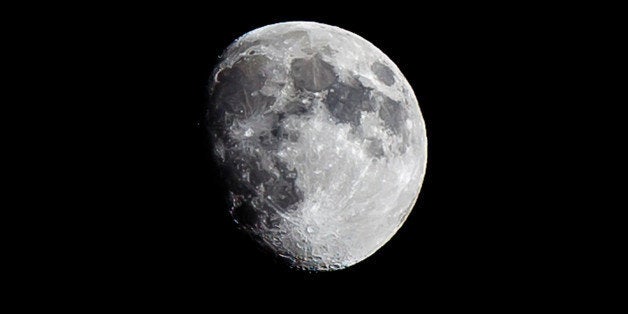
pixel 474 225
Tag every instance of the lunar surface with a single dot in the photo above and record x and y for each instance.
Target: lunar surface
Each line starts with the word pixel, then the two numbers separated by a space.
pixel 321 141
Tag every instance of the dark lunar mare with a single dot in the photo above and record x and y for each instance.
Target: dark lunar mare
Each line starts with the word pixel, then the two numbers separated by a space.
pixel 394 115
pixel 383 73
pixel 233 95
pixel 346 101
pixel 261 185
pixel 312 74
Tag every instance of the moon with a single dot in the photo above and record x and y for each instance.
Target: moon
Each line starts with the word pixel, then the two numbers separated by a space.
pixel 320 140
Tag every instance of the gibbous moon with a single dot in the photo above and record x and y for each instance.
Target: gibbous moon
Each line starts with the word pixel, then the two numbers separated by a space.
pixel 321 142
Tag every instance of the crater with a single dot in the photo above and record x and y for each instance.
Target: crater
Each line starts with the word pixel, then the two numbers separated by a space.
pixel 246 215
pixel 375 148
pixel 383 73
pixel 346 101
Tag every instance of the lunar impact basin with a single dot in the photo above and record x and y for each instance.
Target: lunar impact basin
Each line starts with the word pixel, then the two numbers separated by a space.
pixel 321 142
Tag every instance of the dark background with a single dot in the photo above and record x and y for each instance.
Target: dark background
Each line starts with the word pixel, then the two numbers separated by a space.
pixel 118 204
pixel 477 226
